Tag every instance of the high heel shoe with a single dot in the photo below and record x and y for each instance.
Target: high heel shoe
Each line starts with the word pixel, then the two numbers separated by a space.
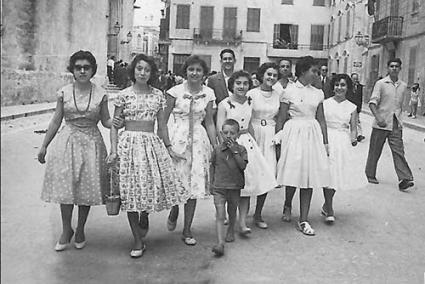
pixel 62 247
pixel 80 245
pixel 328 218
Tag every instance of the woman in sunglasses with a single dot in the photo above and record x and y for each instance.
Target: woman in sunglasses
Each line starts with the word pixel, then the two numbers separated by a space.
pixel 76 170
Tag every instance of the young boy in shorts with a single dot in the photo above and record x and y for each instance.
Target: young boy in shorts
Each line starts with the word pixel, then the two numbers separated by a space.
pixel 228 162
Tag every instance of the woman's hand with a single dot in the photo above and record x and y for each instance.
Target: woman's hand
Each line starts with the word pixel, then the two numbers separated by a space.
pixel 175 156
pixel 118 122
pixel 112 157
pixel 42 154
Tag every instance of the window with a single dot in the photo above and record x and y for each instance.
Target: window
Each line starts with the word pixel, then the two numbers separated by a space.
pixel 415 6
pixel 139 41
pixel 374 70
pixel 251 64
pixel 316 40
pixel 331 33
pixel 178 62
pixel 394 8
pixel 345 64
pixel 229 23
pixel 253 22
pixel 318 2
pixel 207 22
pixel 339 28
pixel 285 36
pixel 347 28
pixel 287 2
pixel 412 65
pixel 183 16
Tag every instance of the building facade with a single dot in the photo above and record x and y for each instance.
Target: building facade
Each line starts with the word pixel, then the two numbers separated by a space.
pixel 258 31
pixel 145 40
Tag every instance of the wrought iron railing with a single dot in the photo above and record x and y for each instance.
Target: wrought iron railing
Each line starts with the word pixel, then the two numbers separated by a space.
pixel 217 36
pixel 387 28
pixel 298 46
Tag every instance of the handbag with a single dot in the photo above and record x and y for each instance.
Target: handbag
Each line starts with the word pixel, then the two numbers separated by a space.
pixel 113 199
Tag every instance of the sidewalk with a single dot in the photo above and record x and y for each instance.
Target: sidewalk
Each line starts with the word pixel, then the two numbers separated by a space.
pixel 417 123
pixel 12 112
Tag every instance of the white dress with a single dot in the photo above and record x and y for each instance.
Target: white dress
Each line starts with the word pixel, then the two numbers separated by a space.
pixel 265 107
pixel 344 171
pixel 189 138
pixel 303 162
pixel 259 178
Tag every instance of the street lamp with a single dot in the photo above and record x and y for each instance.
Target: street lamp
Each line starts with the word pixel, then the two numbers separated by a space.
pixel 361 40
pixel 129 37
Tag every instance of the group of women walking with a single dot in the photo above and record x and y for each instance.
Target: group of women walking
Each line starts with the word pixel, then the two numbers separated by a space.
pixel 160 169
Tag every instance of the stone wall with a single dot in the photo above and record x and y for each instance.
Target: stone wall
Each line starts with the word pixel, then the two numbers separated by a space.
pixel 38 38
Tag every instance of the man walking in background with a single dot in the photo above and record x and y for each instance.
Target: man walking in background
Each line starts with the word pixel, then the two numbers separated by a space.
pixel 326 81
pixel 356 97
pixel 218 82
pixel 386 105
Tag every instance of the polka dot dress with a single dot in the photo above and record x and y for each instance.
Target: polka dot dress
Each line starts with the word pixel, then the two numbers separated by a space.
pixel 76 172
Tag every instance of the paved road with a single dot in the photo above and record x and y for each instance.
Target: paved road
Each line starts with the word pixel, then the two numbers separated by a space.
pixel 378 236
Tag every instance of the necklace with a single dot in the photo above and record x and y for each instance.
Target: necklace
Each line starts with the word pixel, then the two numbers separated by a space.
pixel 75 101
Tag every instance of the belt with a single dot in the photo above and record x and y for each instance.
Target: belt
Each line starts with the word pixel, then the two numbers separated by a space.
pixel 264 122
pixel 139 125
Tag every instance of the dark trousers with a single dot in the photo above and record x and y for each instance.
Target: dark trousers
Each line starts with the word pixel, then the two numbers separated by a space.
pixel 110 74
pixel 395 141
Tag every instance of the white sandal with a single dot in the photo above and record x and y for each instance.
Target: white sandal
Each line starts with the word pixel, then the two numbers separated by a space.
pixel 305 228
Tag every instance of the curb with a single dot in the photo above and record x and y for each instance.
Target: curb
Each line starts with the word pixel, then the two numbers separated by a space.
pixel 408 124
pixel 48 108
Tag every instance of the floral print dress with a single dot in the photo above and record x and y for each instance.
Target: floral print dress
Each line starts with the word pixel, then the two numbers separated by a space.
pixel 148 180
pixel 189 138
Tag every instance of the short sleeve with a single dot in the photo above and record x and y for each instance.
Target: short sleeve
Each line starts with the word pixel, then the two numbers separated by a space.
pixel 376 94
pixel 162 100
pixel 285 97
pixel 210 94
pixel 119 100
pixel 321 96
pixel 173 91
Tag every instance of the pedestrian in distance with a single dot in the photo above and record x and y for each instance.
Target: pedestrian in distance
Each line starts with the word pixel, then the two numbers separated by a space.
pixel 255 82
pixel 386 104
pixel 414 102
pixel 325 81
pixel 110 69
pixel 228 162
pixel 76 172
pixel 265 107
pixel 303 162
pixel 284 75
pixel 355 95
pixel 259 177
pixel 191 142
pixel 148 181
pixel 341 121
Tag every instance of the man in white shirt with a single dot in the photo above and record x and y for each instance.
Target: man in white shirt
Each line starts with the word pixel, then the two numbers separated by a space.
pixel 110 68
pixel 386 105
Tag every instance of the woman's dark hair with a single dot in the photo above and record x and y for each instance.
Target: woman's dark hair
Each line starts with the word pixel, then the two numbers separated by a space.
pixel 262 69
pixel 149 60
pixel 303 65
pixel 345 77
pixel 194 59
pixel 236 75
pixel 82 55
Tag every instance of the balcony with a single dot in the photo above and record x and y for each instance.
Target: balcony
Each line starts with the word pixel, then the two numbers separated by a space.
pixel 297 50
pixel 217 37
pixel 387 29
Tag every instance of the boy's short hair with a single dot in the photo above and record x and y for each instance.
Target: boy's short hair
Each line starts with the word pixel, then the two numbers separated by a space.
pixel 231 122
pixel 227 50
pixel 396 60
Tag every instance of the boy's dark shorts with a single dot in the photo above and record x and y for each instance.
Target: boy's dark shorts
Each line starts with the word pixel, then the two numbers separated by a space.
pixel 222 195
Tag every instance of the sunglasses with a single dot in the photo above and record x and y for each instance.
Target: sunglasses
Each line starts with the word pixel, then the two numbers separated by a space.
pixel 85 67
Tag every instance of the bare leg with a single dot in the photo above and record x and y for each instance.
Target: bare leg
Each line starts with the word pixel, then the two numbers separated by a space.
pixel 305 199
pixel 67 232
pixel 328 193
pixel 232 205
pixel 261 199
pixel 189 213
pixel 243 212
pixel 133 220
pixel 83 213
pixel 144 224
